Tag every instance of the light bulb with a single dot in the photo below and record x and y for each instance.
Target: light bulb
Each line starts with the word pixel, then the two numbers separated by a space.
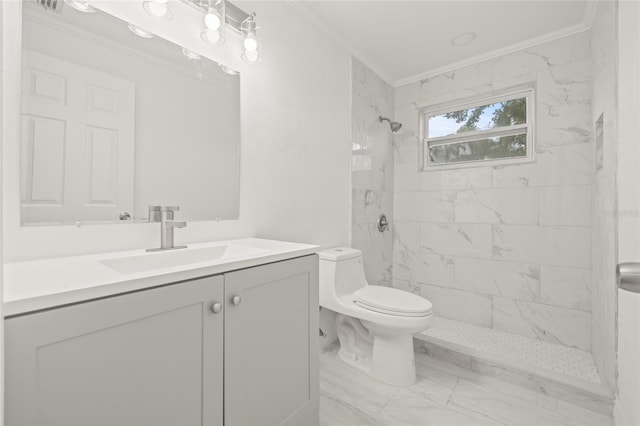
pixel 250 56
pixel 81 5
pixel 212 36
pixel 190 54
pixel 212 20
pixel 228 70
pixel 140 32
pixel 158 9
pixel 250 43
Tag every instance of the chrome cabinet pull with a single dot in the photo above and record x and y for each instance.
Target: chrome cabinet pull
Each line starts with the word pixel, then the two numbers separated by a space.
pixel 236 300
pixel 216 308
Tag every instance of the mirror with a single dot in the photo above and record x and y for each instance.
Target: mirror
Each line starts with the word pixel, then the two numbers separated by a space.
pixel 113 122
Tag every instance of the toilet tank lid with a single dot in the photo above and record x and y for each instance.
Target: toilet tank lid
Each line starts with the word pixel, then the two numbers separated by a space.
pixel 339 253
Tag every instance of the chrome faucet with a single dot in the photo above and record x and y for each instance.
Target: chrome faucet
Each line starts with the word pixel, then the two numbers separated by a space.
pixel 164 215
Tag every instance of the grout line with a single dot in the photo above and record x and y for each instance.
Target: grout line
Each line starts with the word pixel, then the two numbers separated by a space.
pixel 452 391
pixel 488 295
pixel 382 409
pixel 519 262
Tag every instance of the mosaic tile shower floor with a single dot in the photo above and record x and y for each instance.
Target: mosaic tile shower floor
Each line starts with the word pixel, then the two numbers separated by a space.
pixel 536 353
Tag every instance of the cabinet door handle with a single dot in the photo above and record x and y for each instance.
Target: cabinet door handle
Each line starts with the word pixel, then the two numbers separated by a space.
pixel 236 300
pixel 216 308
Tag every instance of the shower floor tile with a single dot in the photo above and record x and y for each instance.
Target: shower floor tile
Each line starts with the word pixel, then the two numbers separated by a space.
pixel 518 349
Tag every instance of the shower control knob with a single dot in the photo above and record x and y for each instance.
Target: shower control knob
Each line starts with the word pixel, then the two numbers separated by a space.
pixel 383 223
pixel 216 308
pixel 236 300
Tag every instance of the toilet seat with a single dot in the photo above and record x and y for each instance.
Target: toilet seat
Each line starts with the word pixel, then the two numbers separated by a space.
pixel 392 301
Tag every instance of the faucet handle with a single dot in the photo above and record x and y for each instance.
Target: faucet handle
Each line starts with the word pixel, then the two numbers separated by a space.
pixel 154 213
pixel 175 224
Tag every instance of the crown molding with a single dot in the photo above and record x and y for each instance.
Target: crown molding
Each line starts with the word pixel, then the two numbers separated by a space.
pixel 312 17
pixel 333 34
pixel 527 44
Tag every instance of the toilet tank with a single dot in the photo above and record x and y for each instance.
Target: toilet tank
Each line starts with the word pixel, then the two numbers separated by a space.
pixel 341 272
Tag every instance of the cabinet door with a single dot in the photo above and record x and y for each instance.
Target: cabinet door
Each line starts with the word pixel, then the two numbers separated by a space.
pixel 136 359
pixel 271 344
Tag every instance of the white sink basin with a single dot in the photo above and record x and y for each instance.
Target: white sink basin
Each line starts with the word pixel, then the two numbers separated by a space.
pixel 176 258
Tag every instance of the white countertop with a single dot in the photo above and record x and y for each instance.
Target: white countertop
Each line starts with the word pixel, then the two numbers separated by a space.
pixel 41 284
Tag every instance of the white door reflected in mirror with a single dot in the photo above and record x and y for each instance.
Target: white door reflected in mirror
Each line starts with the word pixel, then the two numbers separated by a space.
pixel 114 122
pixel 77 142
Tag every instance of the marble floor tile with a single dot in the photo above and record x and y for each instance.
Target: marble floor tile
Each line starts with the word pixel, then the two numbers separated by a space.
pixel 353 388
pixel 432 386
pixel 334 411
pixel 583 416
pixel 430 414
pixel 444 394
pixel 502 406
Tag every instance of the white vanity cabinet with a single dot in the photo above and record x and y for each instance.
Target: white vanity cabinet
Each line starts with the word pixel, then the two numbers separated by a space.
pixel 162 356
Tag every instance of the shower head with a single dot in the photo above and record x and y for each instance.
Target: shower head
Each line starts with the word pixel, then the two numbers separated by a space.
pixel 395 126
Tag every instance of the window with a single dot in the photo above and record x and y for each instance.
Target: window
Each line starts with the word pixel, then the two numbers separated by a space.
pixel 496 130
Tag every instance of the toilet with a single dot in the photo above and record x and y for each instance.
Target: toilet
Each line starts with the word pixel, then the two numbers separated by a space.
pixel 375 324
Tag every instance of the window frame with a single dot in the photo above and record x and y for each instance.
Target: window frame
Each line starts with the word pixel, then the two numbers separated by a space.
pixel 430 111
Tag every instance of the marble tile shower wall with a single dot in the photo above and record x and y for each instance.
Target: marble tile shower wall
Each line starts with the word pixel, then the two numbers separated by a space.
pixel 507 247
pixel 372 171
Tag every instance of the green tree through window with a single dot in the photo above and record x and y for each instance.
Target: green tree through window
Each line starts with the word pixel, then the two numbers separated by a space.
pixel 503 114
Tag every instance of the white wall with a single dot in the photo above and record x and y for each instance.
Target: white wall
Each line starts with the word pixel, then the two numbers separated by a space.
pixel 296 131
pixel 295 112
pixel 1 233
pixel 507 247
pixel 627 409
pixel 604 244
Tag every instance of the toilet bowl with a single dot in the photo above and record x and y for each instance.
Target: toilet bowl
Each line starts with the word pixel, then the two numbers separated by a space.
pixel 375 324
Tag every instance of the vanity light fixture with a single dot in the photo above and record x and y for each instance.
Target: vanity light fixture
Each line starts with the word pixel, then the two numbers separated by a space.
pixel 81 5
pixel 218 16
pixel 214 22
pixel 158 9
pixel 140 32
pixel 250 45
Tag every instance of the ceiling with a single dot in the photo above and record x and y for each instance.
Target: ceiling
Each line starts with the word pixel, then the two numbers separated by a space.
pixel 404 41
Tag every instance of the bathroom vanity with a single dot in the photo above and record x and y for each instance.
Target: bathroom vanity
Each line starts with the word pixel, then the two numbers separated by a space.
pixel 218 333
